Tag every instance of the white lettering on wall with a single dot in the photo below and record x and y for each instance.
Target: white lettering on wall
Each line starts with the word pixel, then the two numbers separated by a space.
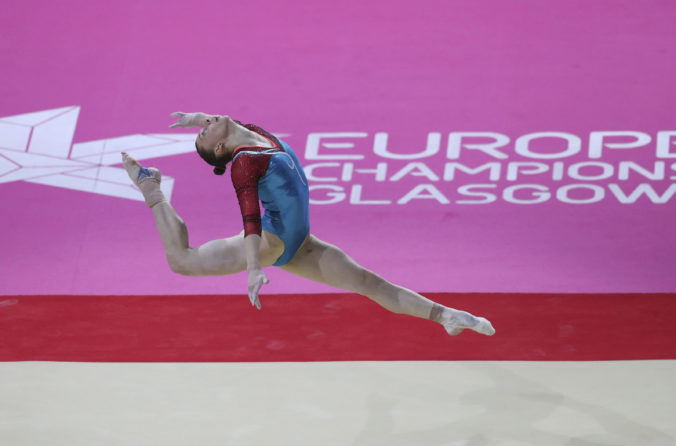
pixel 432 148
pixel 450 168
pixel 664 143
pixel 563 193
pixel 468 190
pixel 642 189
pixel 455 143
pixel 538 194
pixel 522 145
pixel 597 141
pixel 315 141
pixel 425 192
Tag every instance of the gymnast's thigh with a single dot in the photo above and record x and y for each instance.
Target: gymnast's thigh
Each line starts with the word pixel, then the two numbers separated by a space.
pixel 325 263
pixel 227 255
pixel 272 248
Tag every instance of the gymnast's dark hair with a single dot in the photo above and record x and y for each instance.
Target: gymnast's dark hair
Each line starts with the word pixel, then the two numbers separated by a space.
pixel 219 162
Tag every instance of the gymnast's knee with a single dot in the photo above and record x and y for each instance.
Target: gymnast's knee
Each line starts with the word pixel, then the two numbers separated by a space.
pixel 178 263
pixel 368 283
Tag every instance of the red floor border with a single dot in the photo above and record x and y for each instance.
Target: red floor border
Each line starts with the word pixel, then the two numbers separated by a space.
pixel 332 327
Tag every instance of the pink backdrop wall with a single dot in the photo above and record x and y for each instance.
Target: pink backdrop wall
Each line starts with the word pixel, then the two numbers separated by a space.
pixel 357 71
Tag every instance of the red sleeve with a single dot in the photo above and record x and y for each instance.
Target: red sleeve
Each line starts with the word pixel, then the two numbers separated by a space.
pixel 246 171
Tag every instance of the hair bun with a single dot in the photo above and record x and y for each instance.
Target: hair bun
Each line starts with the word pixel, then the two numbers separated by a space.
pixel 219 170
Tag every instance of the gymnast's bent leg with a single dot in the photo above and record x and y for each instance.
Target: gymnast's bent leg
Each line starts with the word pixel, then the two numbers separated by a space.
pixel 217 257
pixel 325 263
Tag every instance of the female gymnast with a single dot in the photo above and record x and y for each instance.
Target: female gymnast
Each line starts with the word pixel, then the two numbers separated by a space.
pixel 265 169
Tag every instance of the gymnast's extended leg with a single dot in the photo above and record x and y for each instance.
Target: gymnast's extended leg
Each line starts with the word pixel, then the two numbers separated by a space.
pixel 325 263
pixel 217 257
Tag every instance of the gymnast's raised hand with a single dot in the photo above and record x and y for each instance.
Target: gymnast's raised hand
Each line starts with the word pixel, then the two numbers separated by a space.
pixel 190 120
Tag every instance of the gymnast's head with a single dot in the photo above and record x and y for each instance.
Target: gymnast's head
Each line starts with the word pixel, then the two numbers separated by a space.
pixel 211 143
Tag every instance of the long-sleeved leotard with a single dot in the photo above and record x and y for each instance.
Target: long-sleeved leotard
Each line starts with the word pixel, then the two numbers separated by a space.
pixel 274 177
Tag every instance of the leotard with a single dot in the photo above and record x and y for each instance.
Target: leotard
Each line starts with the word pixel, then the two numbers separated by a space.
pixel 274 177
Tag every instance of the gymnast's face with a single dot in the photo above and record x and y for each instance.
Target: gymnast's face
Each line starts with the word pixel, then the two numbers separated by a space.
pixel 212 133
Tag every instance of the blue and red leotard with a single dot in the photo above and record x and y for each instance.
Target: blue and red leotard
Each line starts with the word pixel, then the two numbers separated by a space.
pixel 274 177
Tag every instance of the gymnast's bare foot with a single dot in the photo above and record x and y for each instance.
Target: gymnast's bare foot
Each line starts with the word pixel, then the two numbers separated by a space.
pixel 455 321
pixel 147 179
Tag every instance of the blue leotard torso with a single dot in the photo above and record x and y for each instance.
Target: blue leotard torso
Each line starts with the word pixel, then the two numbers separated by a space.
pixel 285 196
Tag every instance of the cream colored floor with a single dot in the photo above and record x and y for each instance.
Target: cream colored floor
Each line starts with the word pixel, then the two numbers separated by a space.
pixel 341 403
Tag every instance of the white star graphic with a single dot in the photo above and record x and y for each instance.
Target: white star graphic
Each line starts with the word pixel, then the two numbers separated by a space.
pixel 37 148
